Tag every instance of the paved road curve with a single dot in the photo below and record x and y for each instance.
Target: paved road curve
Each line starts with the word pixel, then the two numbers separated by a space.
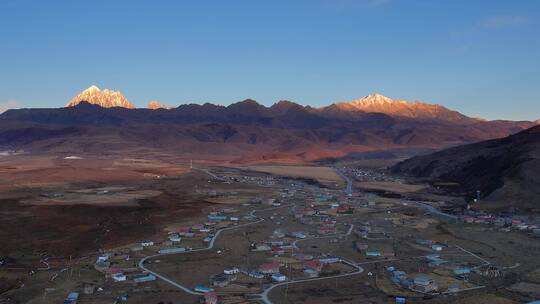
pixel 264 294
pixel 429 208
pixel 210 246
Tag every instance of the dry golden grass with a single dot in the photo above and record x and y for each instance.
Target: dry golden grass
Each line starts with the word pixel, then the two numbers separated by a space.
pixel 120 198
pixel 322 174
pixel 390 186
pixel 412 221
pixel 376 163
pixel 36 171
pixel 484 299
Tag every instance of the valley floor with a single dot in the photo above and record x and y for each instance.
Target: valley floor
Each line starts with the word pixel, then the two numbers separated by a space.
pixel 281 235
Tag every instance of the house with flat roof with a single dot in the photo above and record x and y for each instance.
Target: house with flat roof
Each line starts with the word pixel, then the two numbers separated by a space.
pixel 144 278
pixel 203 289
pixel 279 277
pixel 71 298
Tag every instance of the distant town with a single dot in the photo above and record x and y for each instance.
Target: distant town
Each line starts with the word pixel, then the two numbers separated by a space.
pixel 272 245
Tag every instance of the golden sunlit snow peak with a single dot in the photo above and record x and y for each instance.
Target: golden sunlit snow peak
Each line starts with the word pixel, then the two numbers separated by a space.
pixel 103 98
pixel 377 103
pixel 154 105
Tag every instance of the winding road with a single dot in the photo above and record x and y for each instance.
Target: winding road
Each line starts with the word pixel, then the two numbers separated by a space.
pixel 210 246
pixel 264 294
pixel 429 208
pixel 348 188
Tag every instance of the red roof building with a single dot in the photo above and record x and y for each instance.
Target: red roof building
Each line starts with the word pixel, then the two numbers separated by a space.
pixel 313 264
pixel 269 268
pixel 277 250
pixel 210 297
pixel 183 229
pixel 326 230
pixel 344 209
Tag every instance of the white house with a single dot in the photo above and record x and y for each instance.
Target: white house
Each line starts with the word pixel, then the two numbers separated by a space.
pixel 437 247
pixel 231 270
pixel 103 258
pixel 279 277
pixel 147 243
pixel 119 277
pixel 174 237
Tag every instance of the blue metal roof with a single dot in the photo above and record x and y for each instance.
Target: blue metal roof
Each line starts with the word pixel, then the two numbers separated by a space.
pixel 423 280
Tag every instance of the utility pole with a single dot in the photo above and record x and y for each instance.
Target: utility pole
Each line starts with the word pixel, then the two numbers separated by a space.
pixel 70 265
pixel 287 291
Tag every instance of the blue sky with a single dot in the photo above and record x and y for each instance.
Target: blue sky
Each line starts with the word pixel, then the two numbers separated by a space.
pixel 479 57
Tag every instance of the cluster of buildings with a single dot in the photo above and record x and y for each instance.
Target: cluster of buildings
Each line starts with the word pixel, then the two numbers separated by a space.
pixel 514 222
pixel 367 175
pixel 269 271
pixel 435 246
pixel 215 220
pixel 435 260
pixel 272 271
pixel 115 264
pixel 418 284
pixel 375 241
pixel 265 181
pixel 110 265
pixel 274 247
pixel 375 250
pixel 423 283
pixel 322 213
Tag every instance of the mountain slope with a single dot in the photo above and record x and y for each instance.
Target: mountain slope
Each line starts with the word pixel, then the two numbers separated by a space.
pixel 103 98
pixel 401 108
pixel 505 170
pixel 242 131
pixel 99 121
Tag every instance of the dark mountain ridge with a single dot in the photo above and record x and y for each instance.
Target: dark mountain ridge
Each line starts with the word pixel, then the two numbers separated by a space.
pixel 242 129
pixel 504 170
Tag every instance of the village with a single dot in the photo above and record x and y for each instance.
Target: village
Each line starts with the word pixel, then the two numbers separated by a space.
pixel 295 234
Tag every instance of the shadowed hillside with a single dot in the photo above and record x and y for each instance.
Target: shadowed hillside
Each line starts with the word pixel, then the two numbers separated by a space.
pixel 246 130
pixel 505 170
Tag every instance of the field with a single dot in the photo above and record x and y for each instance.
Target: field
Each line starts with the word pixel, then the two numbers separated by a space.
pixel 485 299
pixel 70 222
pixel 38 171
pixel 389 186
pixel 375 163
pixel 324 175
pixel 120 196
pixel 65 209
